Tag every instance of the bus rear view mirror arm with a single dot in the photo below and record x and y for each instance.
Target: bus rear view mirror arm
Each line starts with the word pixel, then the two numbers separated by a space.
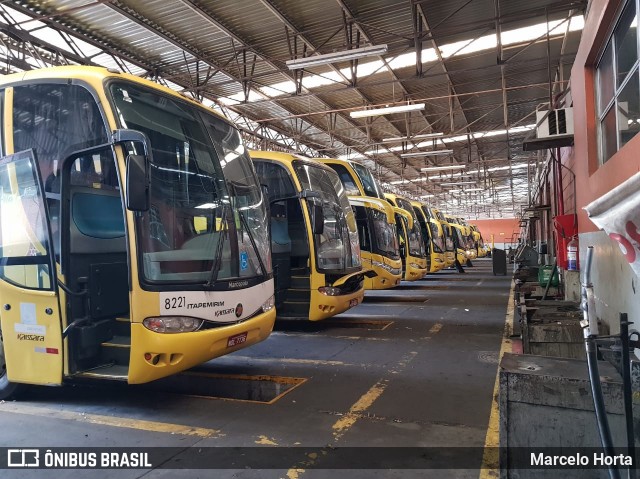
pixel 124 135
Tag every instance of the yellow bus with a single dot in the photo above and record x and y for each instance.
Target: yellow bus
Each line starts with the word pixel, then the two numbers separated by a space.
pixel 463 240
pixel 358 181
pixel 449 246
pixel 478 241
pixel 413 251
pixel 314 240
pixel 356 178
pixel 379 246
pixel 433 234
pixel 133 231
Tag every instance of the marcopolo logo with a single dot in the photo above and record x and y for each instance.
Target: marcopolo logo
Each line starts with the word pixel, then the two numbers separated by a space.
pixel 239 310
pixel 23 458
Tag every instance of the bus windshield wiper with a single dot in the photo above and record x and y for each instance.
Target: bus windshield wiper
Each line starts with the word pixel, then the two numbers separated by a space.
pixel 217 260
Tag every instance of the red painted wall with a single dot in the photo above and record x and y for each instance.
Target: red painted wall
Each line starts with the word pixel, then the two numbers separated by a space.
pixel 507 226
pixel 594 180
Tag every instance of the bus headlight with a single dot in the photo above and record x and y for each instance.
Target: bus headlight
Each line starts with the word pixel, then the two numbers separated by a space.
pixel 172 324
pixel 329 290
pixel 269 304
pixel 415 265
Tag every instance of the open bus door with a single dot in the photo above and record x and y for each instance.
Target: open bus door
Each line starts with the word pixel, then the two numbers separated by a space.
pixel 30 324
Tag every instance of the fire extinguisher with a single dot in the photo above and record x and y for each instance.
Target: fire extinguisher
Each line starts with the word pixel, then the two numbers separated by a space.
pixel 572 255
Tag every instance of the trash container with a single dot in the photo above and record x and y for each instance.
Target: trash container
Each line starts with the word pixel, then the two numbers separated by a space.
pixel 499 259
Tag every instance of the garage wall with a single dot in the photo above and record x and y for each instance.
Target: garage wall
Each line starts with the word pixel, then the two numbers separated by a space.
pixel 615 283
pixel 502 229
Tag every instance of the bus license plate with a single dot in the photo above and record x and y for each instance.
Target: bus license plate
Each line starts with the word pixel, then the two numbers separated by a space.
pixel 353 302
pixel 236 340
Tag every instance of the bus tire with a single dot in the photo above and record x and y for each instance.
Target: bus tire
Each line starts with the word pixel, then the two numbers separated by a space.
pixel 8 389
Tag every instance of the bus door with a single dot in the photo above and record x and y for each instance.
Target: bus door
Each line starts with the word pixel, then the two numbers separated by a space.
pixel 30 325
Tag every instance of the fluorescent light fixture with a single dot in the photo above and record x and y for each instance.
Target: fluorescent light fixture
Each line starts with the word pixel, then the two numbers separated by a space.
pixel 414 137
pixel 427 153
pixel 334 57
pixel 443 168
pixel 474 189
pixel 427 196
pixel 387 110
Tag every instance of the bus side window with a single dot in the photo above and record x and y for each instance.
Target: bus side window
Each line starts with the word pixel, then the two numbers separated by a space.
pixel 55 119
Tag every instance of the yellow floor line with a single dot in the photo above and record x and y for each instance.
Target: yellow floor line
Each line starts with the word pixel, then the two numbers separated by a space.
pixel 113 421
pixel 490 458
pixel 343 424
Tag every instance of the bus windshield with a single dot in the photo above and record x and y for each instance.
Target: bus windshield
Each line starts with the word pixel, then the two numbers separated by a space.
pixel 337 248
pixel 207 217
pixel 385 235
pixel 369 183
pixel 436 236
pixel 416 242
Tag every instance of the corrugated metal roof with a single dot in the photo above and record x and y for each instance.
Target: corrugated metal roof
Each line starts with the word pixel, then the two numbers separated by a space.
pixel 221 48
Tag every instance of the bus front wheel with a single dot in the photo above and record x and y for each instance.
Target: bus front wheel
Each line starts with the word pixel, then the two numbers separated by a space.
pixel 7 388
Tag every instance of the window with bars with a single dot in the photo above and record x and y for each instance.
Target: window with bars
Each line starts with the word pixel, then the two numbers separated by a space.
pixel 618 85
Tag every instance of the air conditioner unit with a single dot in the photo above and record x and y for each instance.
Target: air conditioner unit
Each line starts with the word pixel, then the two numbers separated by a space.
pixel 553 123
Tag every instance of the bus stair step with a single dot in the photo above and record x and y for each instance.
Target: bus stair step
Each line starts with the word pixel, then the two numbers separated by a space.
pixel 298 295
pixel 299 282
pixel 121 327
pixel 116 350
pixel 115 372
pixel 294 309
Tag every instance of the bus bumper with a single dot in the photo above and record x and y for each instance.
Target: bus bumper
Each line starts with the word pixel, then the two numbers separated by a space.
pixel 415 272
pixel 324 306
pixel 156 355
pixel 384 279
pixel 450 259
pixel 437 263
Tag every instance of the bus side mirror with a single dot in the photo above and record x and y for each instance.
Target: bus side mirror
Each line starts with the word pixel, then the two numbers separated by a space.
pixel 137 183
pixel 317 219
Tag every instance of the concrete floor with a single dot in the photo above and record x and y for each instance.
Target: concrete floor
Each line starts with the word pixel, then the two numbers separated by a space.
pixel 424 380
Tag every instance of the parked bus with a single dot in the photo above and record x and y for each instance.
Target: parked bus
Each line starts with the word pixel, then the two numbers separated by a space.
pixel 314 240
pixel 133 231
pixel 379 246
pixel 358 181
pixel 478 241
pixel 463 240
pixel 413 252
pixel 433 235
pixel 356 178
pixel 450 249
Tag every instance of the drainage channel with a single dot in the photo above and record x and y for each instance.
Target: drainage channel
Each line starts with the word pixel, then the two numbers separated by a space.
pixel 398 298
pixel 443 279
pixel 327 324
pixel 234 387
pixel 423 287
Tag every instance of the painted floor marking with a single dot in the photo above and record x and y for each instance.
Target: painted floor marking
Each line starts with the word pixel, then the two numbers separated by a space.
pixel 112 421
pixel 490 459
pixel 356 411
pixel 342 425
